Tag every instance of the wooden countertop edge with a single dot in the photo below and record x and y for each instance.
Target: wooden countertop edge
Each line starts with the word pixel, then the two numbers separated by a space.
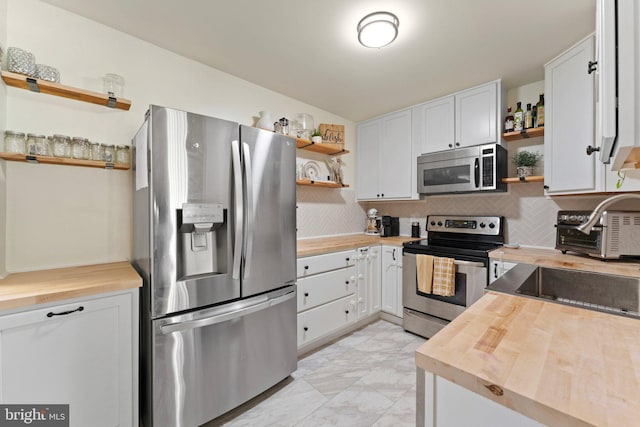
pixel 43 286
pixel 555 258
pixel 509 398
pixel 321 245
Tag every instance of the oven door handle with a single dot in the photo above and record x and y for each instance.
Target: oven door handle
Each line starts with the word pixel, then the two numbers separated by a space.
pixel 468 263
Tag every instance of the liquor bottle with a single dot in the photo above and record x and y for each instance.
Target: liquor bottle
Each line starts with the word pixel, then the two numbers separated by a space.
pixel 528 118
pixel 540 108
pixel 534 113
pixel 518 118
pixel 508 121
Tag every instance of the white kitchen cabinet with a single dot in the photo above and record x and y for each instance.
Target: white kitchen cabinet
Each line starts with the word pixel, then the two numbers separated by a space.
pixel 466 118
pixel 368 284
pixel 569 123
pixel 391 276
pixel 326 296
pixel 81 352
pixel 447 404
pixel 498 268
pixel 386 159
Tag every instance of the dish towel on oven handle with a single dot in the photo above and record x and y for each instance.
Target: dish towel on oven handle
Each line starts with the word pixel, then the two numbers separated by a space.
pixel 444 277
pixel 424 267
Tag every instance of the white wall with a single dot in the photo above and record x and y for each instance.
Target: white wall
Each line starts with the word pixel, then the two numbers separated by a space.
pixel 3 127
pixel 61 216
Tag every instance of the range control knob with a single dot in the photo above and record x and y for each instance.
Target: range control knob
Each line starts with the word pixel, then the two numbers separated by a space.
pixel 433 223
pixel 492 225
pixel 439 223
pixel 483 225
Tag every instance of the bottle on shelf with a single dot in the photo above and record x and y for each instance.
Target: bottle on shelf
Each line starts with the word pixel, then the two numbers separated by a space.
pixel 518 118
pixel 528 118
pixel 534 113
pixel 508 121
pixel 540 110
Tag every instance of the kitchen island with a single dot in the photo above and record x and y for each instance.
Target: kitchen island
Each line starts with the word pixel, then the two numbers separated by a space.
pixel 555 364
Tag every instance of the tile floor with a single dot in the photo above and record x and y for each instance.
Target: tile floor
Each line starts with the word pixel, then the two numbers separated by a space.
pixel 366 378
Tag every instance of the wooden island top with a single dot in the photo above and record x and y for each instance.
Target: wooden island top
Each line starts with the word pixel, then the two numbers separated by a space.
pixel 43 286
pixel 559 365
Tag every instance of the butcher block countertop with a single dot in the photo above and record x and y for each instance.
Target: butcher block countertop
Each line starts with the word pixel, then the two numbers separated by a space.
pixel 37 287
pixel 555 258
pixel 321 245
pixel 560 365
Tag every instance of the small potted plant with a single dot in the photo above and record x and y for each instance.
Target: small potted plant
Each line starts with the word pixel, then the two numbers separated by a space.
pixel 316 136
pixel 525 161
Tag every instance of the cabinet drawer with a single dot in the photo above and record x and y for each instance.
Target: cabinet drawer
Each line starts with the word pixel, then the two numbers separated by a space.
pixel 323 320
pixel 325 287
pixel 325 262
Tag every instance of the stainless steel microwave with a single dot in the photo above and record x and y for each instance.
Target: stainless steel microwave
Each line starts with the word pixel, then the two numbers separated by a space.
pixel 463 170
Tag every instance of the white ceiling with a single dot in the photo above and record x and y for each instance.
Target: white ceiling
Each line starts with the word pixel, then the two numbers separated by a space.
pixel 308 49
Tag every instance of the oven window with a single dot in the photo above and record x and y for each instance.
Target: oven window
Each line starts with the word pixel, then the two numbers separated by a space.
pixel 573 237
pixel 460 298
pixel 447 175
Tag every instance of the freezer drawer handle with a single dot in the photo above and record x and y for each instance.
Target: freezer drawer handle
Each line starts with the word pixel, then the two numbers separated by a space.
pixel 207 321
pixel 64 313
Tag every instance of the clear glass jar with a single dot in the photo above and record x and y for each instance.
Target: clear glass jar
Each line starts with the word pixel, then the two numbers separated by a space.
pixel 80 148
pixel 14 142
pixel 122 154
pixel 42 146
pixel 109 153
pixel 97 151
pixel 30 145
pixel 61 146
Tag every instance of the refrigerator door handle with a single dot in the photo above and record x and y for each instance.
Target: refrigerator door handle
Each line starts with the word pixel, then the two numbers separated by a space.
pixel 237 179
pixel 263 303
pixel 246 155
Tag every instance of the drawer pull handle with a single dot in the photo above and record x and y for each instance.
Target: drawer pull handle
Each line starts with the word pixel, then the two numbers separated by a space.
pixel 305 328
pixel 346 311
pixel 306 267
pixel 306 294
pixel 348 259
pixel 497 390
pixel 64 313
pixel 346 282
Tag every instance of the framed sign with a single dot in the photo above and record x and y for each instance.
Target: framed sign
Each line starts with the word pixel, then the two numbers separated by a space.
pixel 332 134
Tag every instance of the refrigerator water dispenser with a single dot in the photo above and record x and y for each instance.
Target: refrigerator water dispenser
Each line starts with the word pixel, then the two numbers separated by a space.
pixel 198 249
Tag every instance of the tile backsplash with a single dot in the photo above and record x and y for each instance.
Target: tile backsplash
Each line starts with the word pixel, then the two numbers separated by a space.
pixel 326 212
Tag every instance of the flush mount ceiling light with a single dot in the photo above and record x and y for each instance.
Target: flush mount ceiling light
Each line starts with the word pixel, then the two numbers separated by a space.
pixel 378 29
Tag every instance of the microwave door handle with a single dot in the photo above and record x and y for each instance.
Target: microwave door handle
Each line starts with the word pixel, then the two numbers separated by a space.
pixel 237 184
pixel 476 172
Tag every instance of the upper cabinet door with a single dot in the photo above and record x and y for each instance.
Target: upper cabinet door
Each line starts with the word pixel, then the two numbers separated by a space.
pixel 368 153
pixel 433 125
pixel 397 166
pixel 476 116
pixel 569 122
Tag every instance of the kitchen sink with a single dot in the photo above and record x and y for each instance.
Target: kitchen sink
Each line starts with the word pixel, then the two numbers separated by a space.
pixel 593 291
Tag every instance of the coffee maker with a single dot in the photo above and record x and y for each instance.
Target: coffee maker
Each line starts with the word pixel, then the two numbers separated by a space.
pixel 373 222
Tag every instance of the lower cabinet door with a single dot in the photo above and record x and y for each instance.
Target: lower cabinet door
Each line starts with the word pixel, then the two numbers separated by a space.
pixel 79 354
pixel 327 318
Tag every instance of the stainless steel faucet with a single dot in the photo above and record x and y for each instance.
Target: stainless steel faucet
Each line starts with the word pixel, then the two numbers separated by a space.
pixel 597 212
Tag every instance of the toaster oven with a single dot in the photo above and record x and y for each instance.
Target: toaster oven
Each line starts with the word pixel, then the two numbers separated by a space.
pixel 615 235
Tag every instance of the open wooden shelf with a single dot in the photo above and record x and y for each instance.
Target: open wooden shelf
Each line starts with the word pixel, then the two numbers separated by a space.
pixel 516 180
pixel 327 184
pixel 63 161
pixel 329 149
pixel 36 85
pixel 528 133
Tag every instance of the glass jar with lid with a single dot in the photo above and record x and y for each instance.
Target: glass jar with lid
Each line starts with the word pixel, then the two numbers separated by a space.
pixel 61 146
pixel 30 144
pixel 97 152
pixel 80 148
pixel 14 142
pixel 109 153
pixel 122 154
pixel 42 146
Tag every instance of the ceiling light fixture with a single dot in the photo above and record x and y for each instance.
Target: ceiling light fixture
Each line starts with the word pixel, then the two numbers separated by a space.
pixel 378 29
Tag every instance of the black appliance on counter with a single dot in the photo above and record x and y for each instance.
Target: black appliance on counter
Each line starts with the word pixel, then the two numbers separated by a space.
pixel 466 239
pixel 390 226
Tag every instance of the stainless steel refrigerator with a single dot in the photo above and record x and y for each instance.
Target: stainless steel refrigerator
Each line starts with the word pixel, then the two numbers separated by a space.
pixel 214 241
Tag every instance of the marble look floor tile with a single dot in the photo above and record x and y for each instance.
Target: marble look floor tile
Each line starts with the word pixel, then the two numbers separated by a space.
pixel 357 406
pixel 392 383
pixel 401 414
